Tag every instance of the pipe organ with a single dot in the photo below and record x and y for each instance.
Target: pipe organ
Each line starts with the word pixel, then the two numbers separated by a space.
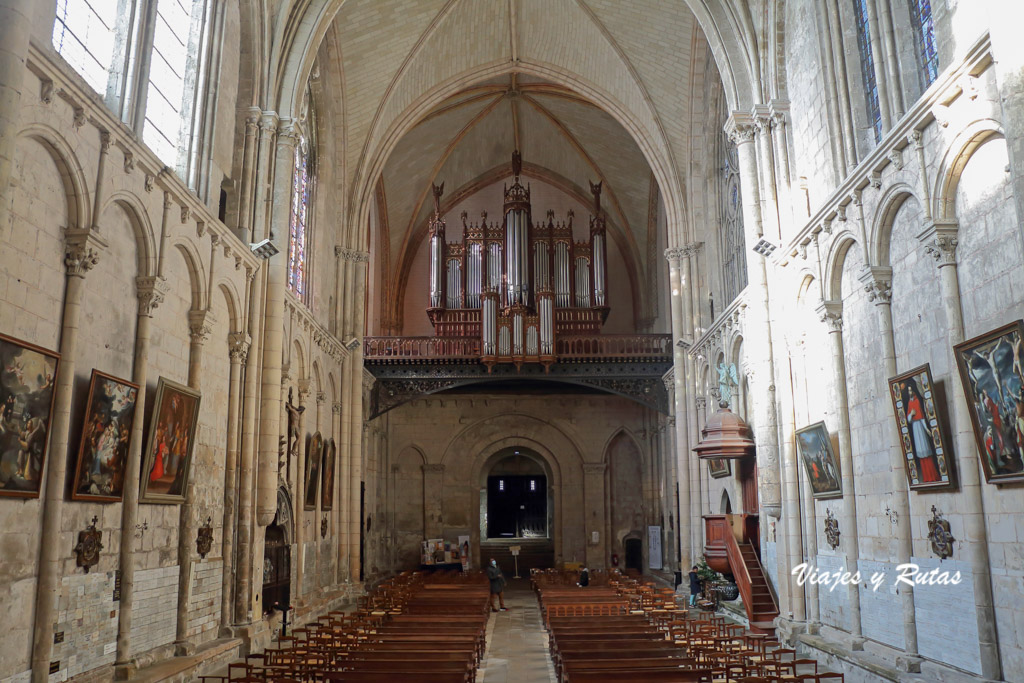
pixel 517 285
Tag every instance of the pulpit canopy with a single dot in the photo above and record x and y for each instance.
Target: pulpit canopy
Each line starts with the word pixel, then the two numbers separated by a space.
pixel 726 435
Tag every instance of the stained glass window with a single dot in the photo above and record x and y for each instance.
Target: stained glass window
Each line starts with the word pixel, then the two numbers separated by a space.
pixel 924 35
pixel 730 215
pixel 867 67
pixel 299 229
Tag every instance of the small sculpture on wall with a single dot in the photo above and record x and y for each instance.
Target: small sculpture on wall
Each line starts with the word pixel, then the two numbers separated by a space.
pixel 323 527
pixel 204 539
pixel 89 546
pixel 831 529
pixel 940 535
pixel 294 413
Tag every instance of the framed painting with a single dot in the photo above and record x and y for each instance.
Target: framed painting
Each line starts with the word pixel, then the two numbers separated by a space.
pixel 28 374
pixel 719 467
pixel 327 489
pixel 820 460
pixel 926 456
pixel 993 381
pixel 314 451
pixel 106 432
pixel 168 454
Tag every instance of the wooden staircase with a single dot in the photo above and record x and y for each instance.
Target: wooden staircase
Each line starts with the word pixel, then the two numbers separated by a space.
pixel 727 554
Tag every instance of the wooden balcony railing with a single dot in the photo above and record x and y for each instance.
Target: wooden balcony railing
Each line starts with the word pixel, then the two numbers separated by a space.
pixel 651 347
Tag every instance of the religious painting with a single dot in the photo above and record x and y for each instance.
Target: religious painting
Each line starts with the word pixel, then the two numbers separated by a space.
pixel 993 380
pixel 719 467
pixel 815 448
pixel 106 431
pixel 168 454
pixel 926 456
pixel 27 376
pixel 314 452
pixel 327 489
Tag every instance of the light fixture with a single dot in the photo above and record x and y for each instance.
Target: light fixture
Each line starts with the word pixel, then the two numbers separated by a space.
pixel 764 247
pixel 264 249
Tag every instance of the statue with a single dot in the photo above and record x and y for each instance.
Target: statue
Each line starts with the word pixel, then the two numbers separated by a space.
pixel 438 191
pixel 727 379
pixel 294 413
pixel 596 191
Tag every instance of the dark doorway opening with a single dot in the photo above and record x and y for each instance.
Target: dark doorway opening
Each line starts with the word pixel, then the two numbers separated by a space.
pixel 634 554
pixel 517 506
pixel 277 569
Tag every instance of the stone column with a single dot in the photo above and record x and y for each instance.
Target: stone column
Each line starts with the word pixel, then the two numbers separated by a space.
pixel 831 313
pixel 594 498
pixel 247 457
pixel 300 494
pixel 697 490
pixel 345 467
pixel 764 123
pixel 338 505
pixel 199 324
pixel 244 225
pixel 15 29
pixel 321 399
pixel 940 238
pixel 682 454
pixel 849 146
pixel 878 57
pixel 433 492
pixel 779 112
pixel 878 284
pixel 892 67
pixel 151 291
pixel 757 326
pixel 357 268
pixel 238 349
pixel 273 324
pixel 82 249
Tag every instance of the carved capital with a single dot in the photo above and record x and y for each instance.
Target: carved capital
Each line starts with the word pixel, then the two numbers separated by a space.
pixel 594 467
pixel 151 291
pixel 238 346
pixel 740 128
pixel 779 111
pixel 303 386
pixel 896 158
pixel 321 397
pixel 105 140
pixel 762 116
pixel 878 284
pixel 81 252
pixel 200 324
pixel 940 240
pixel 674 254
pixel 355 256
pixel 433 467
pixel 701 402
pixel 692 249
pixel 831 313
pixel 336 408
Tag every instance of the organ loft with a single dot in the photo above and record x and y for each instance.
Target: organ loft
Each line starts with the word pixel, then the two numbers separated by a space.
pixel 517 286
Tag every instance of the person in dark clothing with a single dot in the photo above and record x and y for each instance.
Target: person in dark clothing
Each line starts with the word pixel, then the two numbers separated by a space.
pixel 694 586
pixel 584 578
pixel 497 580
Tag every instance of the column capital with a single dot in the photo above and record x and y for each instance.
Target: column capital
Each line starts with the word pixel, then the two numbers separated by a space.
pixel 740 127
pixel 151 291
pixel 268 121
pixel 238 346
pixel 940 240
pixel 779 111
pixel 831 313
pixel 701 402
pixel 303 389
pixel 200 324
pixel 321 397
pixel 762 116
pixel 336 408
pixel 594 467
pixel 878 284
pixel 692 249
pixel 81 251
pixel 674 254
pixel 355 256
pixel 434 467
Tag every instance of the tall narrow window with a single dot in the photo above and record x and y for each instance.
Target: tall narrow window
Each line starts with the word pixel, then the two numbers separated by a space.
pixel 299 228
pixel 169 100
pixel 924 35
pixel 867 67
pixel 730 216
pixel 84 35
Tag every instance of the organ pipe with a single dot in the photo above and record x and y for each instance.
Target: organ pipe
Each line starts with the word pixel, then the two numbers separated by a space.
pixel 437 249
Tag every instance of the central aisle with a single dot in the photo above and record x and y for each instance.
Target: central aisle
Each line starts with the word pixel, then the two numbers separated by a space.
pixel 517 644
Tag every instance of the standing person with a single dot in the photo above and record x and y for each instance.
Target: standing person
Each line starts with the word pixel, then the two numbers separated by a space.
pixel 694 586
pixel 497 580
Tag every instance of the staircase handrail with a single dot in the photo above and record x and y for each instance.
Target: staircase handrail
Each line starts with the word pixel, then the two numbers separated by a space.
pixel 739 571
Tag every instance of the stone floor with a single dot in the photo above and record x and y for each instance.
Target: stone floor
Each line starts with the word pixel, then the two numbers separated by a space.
pixel 517 644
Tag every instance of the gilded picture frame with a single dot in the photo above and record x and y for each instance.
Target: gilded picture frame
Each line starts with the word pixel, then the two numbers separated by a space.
pixel 168 456
pixel 991 373
pixel 927 460
pixel 28 377
pixel 106 432
pixel 820 461
pixel 314 452
pixel 327 476
pixel 719 467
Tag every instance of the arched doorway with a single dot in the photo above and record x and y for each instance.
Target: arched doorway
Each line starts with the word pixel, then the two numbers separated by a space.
pixel 277 564
pixel 634 554
pixel 516 510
